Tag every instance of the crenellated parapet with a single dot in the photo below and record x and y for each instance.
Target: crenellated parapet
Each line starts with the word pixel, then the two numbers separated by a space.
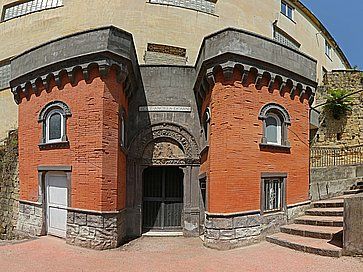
pixel 105 49
pixel 247 74
pixel 252 59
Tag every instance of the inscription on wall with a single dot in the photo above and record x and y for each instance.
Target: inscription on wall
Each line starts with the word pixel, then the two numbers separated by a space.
pixel 166 49
pixel 165 109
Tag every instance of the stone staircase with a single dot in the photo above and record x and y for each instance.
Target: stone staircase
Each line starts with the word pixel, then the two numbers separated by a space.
pixel 355 189
pixel 320 230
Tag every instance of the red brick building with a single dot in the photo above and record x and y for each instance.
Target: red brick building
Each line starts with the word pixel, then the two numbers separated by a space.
pixel 109 149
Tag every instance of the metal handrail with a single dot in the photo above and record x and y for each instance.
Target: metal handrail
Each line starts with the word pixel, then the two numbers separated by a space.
pixel 336 156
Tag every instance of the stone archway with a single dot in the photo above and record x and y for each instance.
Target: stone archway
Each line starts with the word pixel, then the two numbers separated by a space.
pixel 163 145
pixel 169 132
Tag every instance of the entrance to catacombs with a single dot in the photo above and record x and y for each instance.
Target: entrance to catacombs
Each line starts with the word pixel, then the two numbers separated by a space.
pixel 162 198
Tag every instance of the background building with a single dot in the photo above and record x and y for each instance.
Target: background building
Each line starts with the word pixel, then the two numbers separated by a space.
pixel 183 24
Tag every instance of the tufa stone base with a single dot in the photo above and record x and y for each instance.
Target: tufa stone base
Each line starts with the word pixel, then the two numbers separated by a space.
pixel 225 232
pixel 30 219
pixel 94 230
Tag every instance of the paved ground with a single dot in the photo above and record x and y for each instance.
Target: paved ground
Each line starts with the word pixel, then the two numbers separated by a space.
pixel 164 254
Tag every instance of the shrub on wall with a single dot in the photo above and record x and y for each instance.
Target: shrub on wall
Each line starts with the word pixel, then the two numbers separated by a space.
pixel 338 103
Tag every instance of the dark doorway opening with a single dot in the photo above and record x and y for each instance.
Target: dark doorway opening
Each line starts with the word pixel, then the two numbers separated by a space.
pixel 162 199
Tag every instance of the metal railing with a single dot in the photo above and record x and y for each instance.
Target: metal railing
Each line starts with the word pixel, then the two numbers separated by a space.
pixel 331 156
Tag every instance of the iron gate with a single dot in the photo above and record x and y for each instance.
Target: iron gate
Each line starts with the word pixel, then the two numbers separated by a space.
pixel 162 198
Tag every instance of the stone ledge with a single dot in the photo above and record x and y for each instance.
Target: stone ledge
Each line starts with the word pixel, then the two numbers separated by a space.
pixel 55 145
pixel 28 202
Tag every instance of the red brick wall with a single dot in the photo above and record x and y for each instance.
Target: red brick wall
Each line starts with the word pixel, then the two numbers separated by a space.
pixel 236 161
pixel 98 164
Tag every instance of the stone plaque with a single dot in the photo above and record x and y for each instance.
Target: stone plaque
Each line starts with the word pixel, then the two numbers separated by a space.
pixel 164 109
pixel 166 49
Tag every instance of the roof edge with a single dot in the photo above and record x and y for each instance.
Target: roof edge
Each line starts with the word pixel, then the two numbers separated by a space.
pixel 325 31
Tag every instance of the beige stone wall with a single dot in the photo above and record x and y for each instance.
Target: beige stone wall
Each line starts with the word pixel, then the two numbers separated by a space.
pixel 8 114
pixel 154 23
pixel 350 128
pixel 161 24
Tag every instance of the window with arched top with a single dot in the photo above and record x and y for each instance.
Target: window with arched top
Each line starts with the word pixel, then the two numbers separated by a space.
pixel 273 129
pixel 275 119
pixel 55 126
pixel 54 118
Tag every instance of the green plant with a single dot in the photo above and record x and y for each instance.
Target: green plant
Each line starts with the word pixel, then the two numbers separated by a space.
pixel 338 103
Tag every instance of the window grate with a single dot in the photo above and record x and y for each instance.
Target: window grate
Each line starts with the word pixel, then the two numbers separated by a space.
pixel 285 40
pixel 4 76
pixel 199 5
pixel 273 194
pixel 23 8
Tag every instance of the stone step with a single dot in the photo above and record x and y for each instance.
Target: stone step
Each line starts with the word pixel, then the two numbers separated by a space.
pixel 319 232
pixel 329 203
pixel 358 185
pixel 325 211
pixel 331 221
pixel 353 191
pixel 305 244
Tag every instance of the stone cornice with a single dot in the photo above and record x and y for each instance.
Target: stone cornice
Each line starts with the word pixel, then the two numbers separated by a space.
pixel 102 48
pixel 267 76
pixel 270 62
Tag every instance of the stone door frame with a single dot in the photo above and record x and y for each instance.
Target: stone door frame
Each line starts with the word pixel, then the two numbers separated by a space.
pixel 136 164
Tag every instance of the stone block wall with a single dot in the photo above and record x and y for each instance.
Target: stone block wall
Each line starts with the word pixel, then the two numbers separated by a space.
pixel 31 219
pixel 353 225
pixel 9 187
pixel 95 230
pixel 347 131
pixel 326 182
pixel 235 230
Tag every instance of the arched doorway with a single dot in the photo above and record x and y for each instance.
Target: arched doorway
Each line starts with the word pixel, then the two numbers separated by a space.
pixel 162 181
pixel 162 207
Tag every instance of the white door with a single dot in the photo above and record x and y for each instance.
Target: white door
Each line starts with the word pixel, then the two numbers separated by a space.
pixel 57 202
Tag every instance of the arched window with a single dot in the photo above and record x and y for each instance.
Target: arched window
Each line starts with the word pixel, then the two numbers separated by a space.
pixel 275 122
pixel 273 129
pixel 54 126
pixel 54 117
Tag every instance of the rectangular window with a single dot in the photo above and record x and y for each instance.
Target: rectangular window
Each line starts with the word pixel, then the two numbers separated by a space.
pixel 203 191
pixel 273 193
pixel 328 49
pixel 281 37
pixel 287 10
pixel 18 9
pixel 207 6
